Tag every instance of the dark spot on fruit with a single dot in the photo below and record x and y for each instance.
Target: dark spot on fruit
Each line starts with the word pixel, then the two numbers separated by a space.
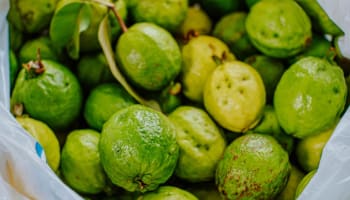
pixel 275 35
pixel 245 78
pixel 211 46
pixel 48 5
pixel 241 91
pixel 335 90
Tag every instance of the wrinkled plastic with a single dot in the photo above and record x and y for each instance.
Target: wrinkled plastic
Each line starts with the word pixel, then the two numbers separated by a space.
pixel 24 173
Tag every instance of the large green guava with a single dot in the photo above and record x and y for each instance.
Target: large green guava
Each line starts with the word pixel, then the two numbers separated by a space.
pixel 138 148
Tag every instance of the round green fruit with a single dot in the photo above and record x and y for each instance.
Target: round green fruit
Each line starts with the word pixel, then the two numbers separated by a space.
pixel 254 166
pixel 138 148
pixel 168 193
pixel 149 56
pixel 49 92
pixel 168 14
pixel 80 162
pixel 231 29
pixel 310 97
pixel 103 102
pixel 201 144
pixel 274 30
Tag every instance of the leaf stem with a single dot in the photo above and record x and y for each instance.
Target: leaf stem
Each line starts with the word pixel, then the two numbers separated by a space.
pixel 111 6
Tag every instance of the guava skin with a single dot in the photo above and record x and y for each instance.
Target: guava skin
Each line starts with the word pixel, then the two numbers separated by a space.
pixel 231 29
pixel 270 70
pixel 274 29
pixel 80 162
pixel 234 95
pixel 54 97
pixel 168 193
pixel 168 14
pixel 199 62
pixel 29 49
pixel 138 148
pixel 254 166
pixel 149 56
pixel 310 97
pixel 31 16
pixel 201 143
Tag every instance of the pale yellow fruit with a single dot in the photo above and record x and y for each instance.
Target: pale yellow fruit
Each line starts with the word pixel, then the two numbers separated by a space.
pixel 234 95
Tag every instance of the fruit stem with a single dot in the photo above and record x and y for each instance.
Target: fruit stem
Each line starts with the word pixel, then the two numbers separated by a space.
pixel 111 6
pixel 35 68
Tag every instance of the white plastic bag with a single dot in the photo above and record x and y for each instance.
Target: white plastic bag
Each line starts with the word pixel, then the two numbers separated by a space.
pixel 332 179
pixel 23 171
pixel 24 174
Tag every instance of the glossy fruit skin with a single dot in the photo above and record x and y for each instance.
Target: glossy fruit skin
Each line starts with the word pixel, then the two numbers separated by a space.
pixel 168 14
pixel 201 143
pixel 309 149
pixel 80 162
pixel 168 193
pixel 138 148
pixel 231 29
pixel 270 70
pixel 274 30
pixel 31 16
pixel 310 97
pixel 46 138
pixel 54 97
pixel 234 95
pixel 199 61
pixel 254 166
pixel 103 101
pixel 149 56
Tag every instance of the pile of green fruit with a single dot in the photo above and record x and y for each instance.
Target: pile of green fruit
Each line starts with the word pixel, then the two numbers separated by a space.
pixel 177 99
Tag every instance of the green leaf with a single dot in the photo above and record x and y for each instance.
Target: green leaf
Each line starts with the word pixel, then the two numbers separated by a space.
pixel 69 20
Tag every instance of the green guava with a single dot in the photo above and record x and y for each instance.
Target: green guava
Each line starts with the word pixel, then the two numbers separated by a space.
pixel 270 70
pixel 29 50
pixel 309 150
pixel 197 22
pixel 219 8
pixel 168 14
pixel 31 16
pixel 319 47
pixel 49 92
pixel 254 166
pixel 149 56
pixel 310 97
pixel 80 162
pixel 138 148
pixel 200 57
pixel 288 193
pixel 274 30
pixel 231 29
pixel 269 125
pixel 46 138
pixel 168 193
pixel 204 191
pixel 201 144
pixel 92 70
pixel 234 95
pixel 103 101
